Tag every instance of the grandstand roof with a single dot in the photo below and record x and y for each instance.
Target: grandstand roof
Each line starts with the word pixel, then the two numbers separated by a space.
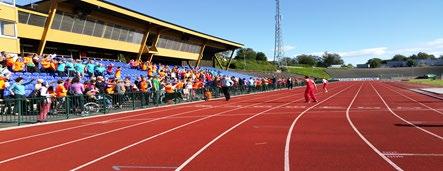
pixel 141 16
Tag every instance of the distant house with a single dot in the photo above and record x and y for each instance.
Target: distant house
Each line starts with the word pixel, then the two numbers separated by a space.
pixel 335 66
pixel 430 62
pixel 363 65
pixel 395 64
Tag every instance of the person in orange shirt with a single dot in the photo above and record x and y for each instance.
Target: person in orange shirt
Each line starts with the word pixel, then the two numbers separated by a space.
pixel 10 62
pixel 18 66
pixel 60 90
pixel 110 89
pixel 30 66
pixel 46 65
pixel 3 81
pixel 145 66
pixel 144 86
pixel 170 93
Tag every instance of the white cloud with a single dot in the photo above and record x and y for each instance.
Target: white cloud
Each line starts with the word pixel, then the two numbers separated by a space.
pixel 365 52
pixel 288 48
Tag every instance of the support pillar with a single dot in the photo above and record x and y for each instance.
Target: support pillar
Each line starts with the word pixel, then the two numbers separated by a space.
pixel 48 24
pixel 202 50
pixel 143 45
pixel 230 60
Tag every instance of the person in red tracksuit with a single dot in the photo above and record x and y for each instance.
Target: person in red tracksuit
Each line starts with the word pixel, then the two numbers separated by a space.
pixel 310 90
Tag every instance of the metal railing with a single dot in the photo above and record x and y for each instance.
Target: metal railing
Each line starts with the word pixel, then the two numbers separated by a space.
pixel 18 111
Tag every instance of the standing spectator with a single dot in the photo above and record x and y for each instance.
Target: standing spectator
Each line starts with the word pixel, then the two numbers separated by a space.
pixel 77 89
pixel 144 90
pixel 90 67
pixel 79 68
pixel 226 83
pixel 18 92
pixel 61 68
pixel 156 90
pixel 45 105
pixel 121 90
pixel 70 68
pixel 100 70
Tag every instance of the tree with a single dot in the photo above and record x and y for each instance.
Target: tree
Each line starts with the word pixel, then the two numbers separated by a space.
pixel 329 59
pixel 423 55
pixel 411 63
pixel 441 56
pixel 306 60
pixel 350 66
pixel 399 58
pixel 247 53
pixel 289 61
pixel 374 62
pixel 261 57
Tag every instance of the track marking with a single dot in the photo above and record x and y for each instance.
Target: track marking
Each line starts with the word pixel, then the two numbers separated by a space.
pixel 348 117
pixel 404 120
pixel 288 137
pixel 109 120
pixel 142 167
pixel 104 133
pixel 221 135
pixel 441 113
pixel 412 154
pixel 159 134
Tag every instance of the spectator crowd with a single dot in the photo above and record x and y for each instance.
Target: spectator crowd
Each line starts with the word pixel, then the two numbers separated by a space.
pixel 91 80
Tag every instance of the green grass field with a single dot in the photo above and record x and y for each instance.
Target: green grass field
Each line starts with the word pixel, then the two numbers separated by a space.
pixel 312 72
pixel 428 82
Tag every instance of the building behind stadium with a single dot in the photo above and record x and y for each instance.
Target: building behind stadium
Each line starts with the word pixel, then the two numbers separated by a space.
pixel 100 29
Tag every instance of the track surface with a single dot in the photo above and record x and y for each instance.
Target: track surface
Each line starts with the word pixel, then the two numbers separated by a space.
pixel 356 126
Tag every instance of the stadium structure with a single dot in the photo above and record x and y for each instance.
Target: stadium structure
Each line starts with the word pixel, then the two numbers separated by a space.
pixel 97 28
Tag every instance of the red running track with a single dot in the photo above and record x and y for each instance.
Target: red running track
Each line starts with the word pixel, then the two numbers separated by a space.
pixel 355 126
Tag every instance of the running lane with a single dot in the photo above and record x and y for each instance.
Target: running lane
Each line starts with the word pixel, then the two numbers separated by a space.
pixel 323 139
pixel 171 150
pixel 76 151
pixel 408 147
pixel 412 111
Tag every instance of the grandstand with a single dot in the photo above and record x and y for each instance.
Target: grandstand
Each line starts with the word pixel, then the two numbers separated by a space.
pixel 384 73
pixel 100 29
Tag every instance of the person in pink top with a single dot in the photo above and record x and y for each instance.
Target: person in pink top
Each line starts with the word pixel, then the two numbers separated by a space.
pixel 310 90
pixel 325 85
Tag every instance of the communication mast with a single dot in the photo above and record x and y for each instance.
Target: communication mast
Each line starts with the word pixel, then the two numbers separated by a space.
pixel 279 52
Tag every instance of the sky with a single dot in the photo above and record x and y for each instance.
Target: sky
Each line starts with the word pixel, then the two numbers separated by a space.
pixel 356 29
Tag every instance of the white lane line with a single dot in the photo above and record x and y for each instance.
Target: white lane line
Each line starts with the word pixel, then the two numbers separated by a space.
pixel 348 117
pixel 109 120
pixel 414 154
pixel 435 110
pixel 103 133
pixel 142 167
pixel 160 134
pixel 291 129
pixel 157 135
pixel 224 133
pixel 404 120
